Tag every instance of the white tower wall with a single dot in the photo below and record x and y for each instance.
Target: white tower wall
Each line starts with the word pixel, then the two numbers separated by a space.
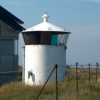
pixel 40 60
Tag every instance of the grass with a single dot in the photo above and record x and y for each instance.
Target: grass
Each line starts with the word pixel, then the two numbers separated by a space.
pixel 66 89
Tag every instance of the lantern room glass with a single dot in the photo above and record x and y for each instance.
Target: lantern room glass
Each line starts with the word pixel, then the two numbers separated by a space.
pixel 54 39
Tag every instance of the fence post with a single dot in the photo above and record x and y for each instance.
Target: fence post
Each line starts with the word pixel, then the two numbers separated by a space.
pixel 46 81
pixel 96 71
pixel 89 72
pixel 77 79
pixel 56 83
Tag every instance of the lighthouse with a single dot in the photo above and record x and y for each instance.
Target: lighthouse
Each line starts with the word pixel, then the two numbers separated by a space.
pixel 45 46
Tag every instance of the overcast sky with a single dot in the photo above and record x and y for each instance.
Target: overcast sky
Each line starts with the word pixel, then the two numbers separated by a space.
pixel 80 17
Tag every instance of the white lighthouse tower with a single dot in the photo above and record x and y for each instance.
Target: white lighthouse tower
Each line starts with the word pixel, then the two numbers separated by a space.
pixel 45 46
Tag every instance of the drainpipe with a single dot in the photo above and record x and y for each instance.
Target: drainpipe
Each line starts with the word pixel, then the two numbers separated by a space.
pixel 23 67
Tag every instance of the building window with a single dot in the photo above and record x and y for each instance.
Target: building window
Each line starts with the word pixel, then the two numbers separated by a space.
pixel 6 47
pixel 0 29
pixel 0 60
pixel 15 47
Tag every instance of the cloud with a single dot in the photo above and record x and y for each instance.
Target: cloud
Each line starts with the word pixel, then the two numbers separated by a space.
pixel 96 0
pixel 17 3
pixel 83 0
pixel 93 0
pixel 83 44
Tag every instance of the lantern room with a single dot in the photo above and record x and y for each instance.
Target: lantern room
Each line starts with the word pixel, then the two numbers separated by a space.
pixel 45 34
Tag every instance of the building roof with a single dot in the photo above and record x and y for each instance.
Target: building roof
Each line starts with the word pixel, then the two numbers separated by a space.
pixel 11 20
pixel 46 26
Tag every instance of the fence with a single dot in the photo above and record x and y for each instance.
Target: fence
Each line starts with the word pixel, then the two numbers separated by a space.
pixel 81 72
pixel 80 80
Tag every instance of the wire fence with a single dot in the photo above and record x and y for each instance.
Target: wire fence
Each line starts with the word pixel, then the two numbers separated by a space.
pixel 80 84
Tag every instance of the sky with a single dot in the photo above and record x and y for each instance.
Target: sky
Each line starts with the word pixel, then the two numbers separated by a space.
pixel 80 17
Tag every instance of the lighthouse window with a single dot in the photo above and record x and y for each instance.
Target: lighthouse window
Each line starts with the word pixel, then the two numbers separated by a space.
pixel 54 38
pixel 32 38
pixel 46 38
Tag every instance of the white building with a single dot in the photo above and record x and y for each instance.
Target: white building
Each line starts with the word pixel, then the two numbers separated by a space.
pixel 45 46
pixel 9 31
